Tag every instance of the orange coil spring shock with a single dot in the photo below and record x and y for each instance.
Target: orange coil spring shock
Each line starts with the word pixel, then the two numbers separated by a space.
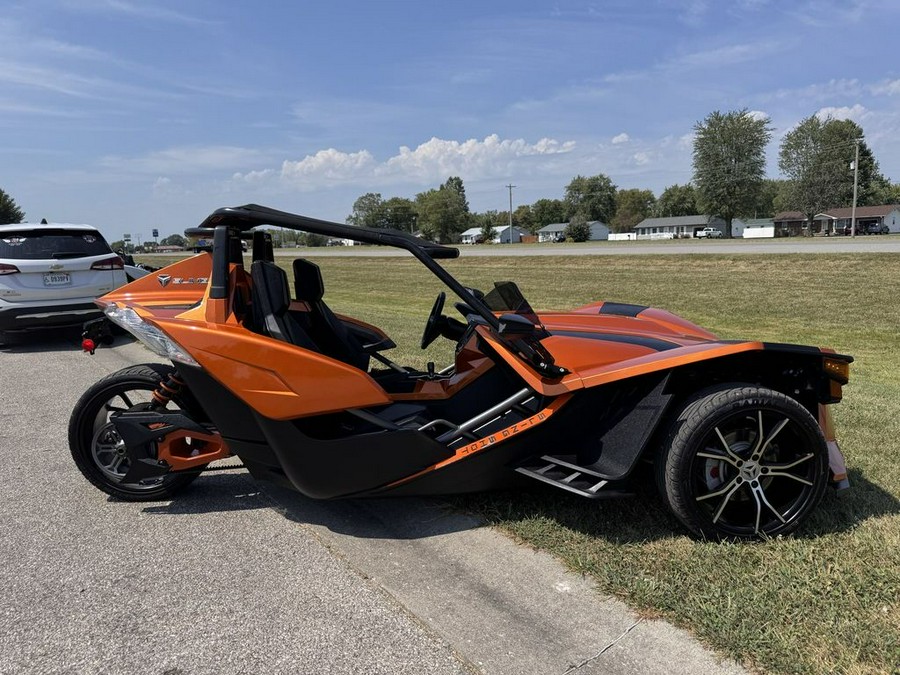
pixel 167 390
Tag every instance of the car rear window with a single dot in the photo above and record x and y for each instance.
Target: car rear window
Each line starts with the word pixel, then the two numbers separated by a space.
pixel 51 243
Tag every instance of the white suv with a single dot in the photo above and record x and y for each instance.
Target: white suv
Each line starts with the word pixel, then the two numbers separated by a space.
pixel 50 275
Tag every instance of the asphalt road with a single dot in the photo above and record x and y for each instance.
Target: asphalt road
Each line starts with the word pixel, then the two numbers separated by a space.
pixel 867 244
pixel 235 576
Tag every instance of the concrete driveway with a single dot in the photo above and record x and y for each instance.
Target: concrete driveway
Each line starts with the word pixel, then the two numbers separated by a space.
pixel 235 576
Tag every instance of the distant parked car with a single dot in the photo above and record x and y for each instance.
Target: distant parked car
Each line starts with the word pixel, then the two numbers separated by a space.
pixel 50 275
pixel 559 238
pixel 877 228
pixel 709 233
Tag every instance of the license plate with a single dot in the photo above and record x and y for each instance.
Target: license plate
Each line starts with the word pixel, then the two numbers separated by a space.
pixel 57 279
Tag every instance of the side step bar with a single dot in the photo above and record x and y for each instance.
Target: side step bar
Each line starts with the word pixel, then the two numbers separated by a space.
pixel 570 477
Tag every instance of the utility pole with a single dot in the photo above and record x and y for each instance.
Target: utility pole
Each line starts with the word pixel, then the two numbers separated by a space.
pixel 855 182
pixel 510 187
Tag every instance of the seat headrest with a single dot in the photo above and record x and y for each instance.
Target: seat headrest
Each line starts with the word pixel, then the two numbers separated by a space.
pixel 270 286
pixel 308 283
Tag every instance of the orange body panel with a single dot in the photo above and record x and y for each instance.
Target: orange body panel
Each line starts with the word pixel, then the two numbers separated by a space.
pixel 277 379
pixel 181 283
pixel 181 451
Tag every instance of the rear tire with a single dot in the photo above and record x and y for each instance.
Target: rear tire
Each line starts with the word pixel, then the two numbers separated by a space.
pixel 743 462
pixel 96 447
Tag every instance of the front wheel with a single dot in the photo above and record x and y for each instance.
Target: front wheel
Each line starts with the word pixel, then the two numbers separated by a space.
pixel 96 446
pixel 743 462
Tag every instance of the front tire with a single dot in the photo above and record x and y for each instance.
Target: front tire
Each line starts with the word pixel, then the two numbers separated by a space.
pixel 743 462
pixel 96 447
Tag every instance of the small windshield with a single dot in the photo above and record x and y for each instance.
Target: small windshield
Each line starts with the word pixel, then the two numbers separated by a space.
pixel 506 297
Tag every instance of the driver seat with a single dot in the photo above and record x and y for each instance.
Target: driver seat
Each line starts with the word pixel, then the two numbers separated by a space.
pixel 324 327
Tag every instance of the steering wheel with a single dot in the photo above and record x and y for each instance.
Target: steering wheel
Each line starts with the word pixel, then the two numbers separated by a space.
pixel 433 325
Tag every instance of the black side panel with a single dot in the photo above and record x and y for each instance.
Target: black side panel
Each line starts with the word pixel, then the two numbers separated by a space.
pixel 326 468
pixel 629 420
pixel 233 418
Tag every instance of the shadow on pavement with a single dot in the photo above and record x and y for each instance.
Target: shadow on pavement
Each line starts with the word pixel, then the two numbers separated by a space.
pixel 399 518
pixel 639 519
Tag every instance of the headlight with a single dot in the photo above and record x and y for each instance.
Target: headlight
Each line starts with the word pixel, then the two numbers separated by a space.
pixel 157 341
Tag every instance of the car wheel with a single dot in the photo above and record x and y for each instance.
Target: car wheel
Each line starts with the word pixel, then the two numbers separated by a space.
pixel 743 462
pixel 98 449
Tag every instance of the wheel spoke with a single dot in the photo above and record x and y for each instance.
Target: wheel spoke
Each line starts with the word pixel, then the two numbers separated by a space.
pixel 785 474
pixel 737 486
pixel 725 445
pixel 762 495
pixel 718 456
pixel 113 408
pixel 117 462
pixel 758 509
pixel 782 467
pixel 127 400
pixel 762 446
pixel 720 491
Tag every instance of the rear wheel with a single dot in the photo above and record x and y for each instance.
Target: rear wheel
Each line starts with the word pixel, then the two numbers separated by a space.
pixel 96 446
pixel 743 462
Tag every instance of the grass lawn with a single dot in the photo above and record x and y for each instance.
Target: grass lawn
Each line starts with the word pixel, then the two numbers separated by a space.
pixel 825 600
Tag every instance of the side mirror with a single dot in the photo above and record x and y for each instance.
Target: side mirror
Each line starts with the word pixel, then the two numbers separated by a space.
pixel 513 324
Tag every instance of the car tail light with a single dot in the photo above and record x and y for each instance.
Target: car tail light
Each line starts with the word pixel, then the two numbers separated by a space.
pixel 8 269
pixel 113 263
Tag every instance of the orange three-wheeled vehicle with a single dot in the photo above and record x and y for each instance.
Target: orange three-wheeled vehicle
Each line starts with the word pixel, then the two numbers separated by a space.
pixel 738 432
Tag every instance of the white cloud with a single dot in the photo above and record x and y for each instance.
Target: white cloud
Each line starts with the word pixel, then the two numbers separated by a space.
pixel 431 161
pixel 492 156
pixel 331 164
pixel 855 113
pixel 759 115
pixel 642 158
pixel 887 88
pixel 620 138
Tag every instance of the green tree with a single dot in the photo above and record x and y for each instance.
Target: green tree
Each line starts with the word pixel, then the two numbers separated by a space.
pixel 9 210
pixel 548 211
pixel 677 200
pixel 400 213
pixel 173 240
pixel 885 192
pixel 368 211
pixel 632 206
pixel 524 218
pixel 729 162
pixel 816 157
pixel 578 229
pixel 764 206
pixel 443 213
pixel 592 197
pixel 455 183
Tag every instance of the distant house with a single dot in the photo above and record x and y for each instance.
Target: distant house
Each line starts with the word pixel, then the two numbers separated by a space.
pixel 676 227
pixel 551 232
pixel 501 235
pixel 789 223
pixel 834 221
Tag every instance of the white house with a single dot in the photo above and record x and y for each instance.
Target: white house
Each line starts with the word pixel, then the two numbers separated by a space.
pixel 676 227
pixel 501 235
pixel 551 232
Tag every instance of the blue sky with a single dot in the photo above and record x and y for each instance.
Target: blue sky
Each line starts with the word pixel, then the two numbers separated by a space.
pixel 131 114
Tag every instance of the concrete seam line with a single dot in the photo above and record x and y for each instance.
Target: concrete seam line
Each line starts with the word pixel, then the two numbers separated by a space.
pixel 572 669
